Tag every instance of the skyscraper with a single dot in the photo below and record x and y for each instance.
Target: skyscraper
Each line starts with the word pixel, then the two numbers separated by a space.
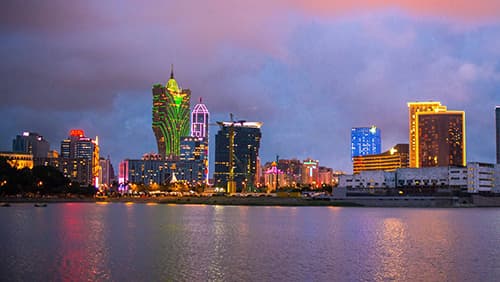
pixel 440 138
pixel 170 116
pixel 365 141
pixel 199 120
pixel 413 109
pixel 497 115
pixel 31 143
pixel 236 151
pixel 81 150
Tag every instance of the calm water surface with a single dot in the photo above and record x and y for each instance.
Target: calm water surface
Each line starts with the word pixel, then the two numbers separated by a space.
pixel 139 242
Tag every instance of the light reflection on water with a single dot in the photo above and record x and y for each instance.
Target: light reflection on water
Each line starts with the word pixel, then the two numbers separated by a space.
pixel 139 242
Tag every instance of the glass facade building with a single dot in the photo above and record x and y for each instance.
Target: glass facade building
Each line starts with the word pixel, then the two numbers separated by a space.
pixel 365 141
pixel 193 160
pixel 31 143
pixel 241 156
pixel 171 109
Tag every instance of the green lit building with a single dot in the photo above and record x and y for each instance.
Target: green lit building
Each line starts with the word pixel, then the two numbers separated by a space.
pixel 171 113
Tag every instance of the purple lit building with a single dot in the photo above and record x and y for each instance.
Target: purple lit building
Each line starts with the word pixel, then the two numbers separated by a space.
pixel 199 121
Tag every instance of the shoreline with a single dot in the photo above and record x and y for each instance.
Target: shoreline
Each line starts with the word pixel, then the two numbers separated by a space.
pixel 363 201
pixel 229 201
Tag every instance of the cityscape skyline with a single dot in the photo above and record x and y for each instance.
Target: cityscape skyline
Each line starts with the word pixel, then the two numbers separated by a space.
pixel 310 79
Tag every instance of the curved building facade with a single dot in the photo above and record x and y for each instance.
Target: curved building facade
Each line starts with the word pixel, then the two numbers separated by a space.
pixel 170 116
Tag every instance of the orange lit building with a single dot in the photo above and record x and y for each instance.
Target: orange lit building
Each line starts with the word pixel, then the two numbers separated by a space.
pixel 413 109
pixel 310 172
pixel 440 139
pixel 18 160
pixel 396 157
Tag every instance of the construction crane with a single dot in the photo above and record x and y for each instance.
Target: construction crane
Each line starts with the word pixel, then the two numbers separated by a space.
pixel 231 184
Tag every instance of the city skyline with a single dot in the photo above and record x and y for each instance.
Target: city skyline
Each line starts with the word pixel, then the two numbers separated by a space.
pixel 325 69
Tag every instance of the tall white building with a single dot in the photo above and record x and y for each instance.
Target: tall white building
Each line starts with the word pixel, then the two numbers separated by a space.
pixel 199 120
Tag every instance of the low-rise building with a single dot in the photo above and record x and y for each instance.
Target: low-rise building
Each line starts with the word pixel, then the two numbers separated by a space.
pixel 18 160
pixel 474 178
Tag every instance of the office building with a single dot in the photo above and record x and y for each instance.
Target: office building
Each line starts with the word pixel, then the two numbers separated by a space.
pixel 440 139
pixel 390 160
pixel 31 143
pixel 413 109
pixel 365 141
pixel 497 118
pixel 171 108
pixel 236 151
pixel 193 160
pixel 80 150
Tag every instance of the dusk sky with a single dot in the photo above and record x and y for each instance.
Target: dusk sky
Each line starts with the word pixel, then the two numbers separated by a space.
pixel 309 72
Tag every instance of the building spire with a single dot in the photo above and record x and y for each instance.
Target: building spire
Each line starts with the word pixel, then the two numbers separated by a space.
pixel 172 71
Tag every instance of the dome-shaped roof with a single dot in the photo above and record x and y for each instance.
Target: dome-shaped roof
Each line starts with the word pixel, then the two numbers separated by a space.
pixel 172 85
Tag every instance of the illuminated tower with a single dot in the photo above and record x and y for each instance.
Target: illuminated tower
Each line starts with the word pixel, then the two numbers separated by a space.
pixel 199 121
pixel 440 138
pixel 170 116
pixel 413 109
pixel 199 129
pixel 365 141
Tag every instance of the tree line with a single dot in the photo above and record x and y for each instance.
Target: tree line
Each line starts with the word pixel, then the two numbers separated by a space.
pixel 41 180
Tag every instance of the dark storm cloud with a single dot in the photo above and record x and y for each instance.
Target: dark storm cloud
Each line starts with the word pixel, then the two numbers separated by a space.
pixel 309 78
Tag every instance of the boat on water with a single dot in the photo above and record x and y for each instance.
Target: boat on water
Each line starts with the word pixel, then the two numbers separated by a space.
pixel 4 205
pixel 40 205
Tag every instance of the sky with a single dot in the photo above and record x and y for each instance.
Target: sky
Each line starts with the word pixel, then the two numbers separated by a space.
pixel 309 70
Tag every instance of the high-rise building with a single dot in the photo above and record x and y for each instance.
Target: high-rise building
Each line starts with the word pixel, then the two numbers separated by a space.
pixel 193 160
pixel 390 160
pixel 199 129
pixel 106 173
pixel 170 116
pixel 365 141
pixel 31 143
pixel 497 115
pixel 413 109
pixel 440 139
pixel 81 150
pixel 236 150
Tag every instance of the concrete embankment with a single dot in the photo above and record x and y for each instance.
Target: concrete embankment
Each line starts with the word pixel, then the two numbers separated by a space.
pixel 366 201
